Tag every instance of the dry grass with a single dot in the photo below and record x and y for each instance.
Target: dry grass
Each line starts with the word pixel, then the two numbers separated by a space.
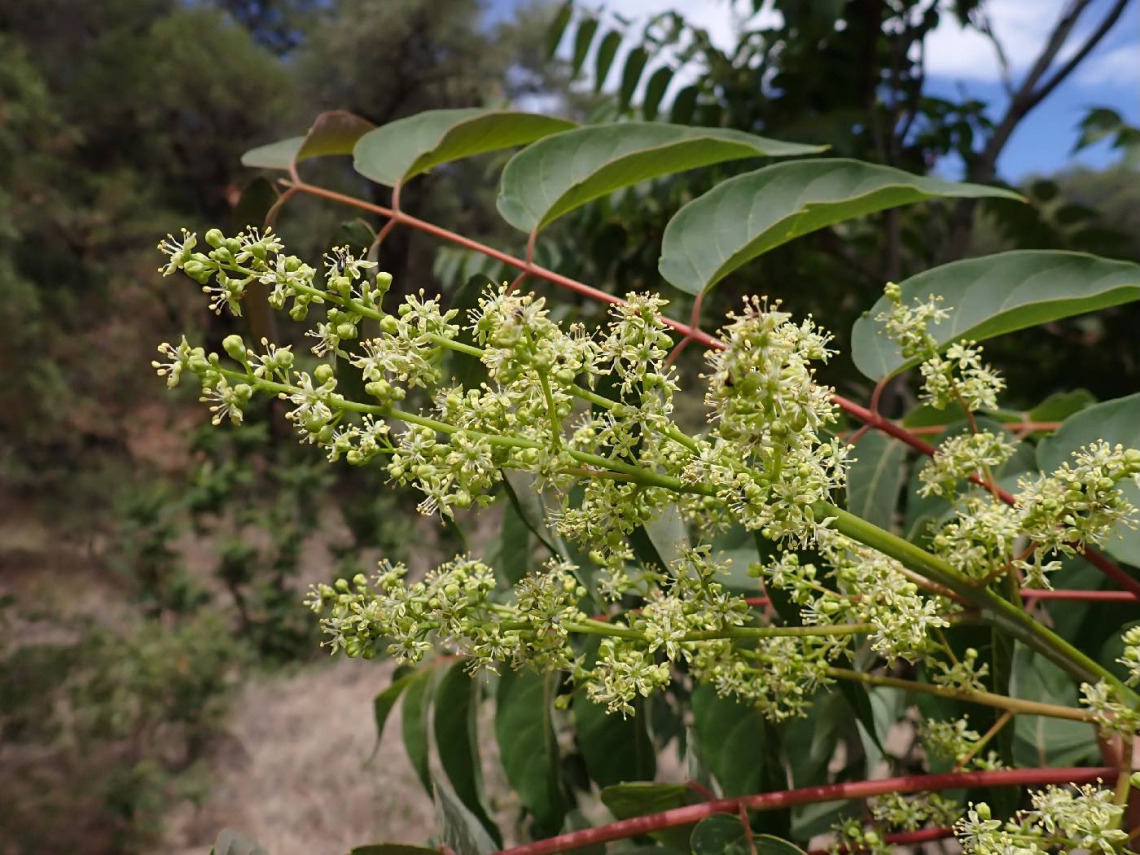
pixel 292 773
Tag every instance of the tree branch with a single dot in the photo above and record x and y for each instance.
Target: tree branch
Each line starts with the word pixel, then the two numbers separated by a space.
pixel 809 795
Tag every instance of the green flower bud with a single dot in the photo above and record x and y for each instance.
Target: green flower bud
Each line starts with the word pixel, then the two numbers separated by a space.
pixel 389 325
pixel 215 238
pixel 346 331
pixel 323 373
pixel 235 347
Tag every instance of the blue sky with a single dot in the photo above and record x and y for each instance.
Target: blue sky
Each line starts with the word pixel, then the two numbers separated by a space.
pixel 959 60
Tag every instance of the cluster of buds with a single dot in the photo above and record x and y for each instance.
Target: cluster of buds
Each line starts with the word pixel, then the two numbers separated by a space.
pixel 618 460
pixel 1083 819
pixel 1054 514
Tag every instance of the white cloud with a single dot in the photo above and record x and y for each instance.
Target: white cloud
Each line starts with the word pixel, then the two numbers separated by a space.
pixel 1120 65
pixel 1022 27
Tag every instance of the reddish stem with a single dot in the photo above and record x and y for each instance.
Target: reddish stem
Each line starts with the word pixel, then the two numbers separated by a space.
pixel 873 420
pixel 807 795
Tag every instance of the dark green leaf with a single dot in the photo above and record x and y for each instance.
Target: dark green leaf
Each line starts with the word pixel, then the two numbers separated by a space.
pixel 415 721
pixel 639 799
pixel 556 175
pixel 626 801
pixel 746 216
pixel 468 371
pixel 232 843
pixel 607 50
pixel 1060 405
pixel 1115 422
pixel 720 834
pixel 408 147
pixel 254 203
pixel 737 744
pixel 462 832
pixel 558 27
pixel 631 74
pixel 457 740
pixel 616 749
pixel 875 478
pixel 655 91
pixel 527 745
pixel 859 702
pixel 1042 741
pixel 514 546
pixel 684 105
pixel 809 743
pixel 252 209
pixel 529 505
pixel 1098 124
pixel 997 294
pixel 334 132
pixel 587 27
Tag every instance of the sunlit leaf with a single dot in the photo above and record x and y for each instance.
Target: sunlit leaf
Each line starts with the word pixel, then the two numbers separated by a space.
pixel 556 175
pixel 748 215
pixel 998 294
pixel 334 132
pixel 405 148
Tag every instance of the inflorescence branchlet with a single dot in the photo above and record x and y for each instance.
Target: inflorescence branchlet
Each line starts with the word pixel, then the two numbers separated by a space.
pixel 1061 819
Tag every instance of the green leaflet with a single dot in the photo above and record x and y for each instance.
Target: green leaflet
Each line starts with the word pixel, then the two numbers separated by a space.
pixel 746 216
pixel 400 150
pixel 556 175
pixel 997 294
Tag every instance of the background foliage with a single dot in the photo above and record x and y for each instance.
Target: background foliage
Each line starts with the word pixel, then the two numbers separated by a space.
pixel 119 119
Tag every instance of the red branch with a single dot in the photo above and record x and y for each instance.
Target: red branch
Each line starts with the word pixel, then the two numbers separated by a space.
pixel 689 333
pixel 806 795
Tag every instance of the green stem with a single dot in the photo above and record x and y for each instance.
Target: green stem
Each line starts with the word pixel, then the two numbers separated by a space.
pixel 642 476
pixel 994 609
pixel 739 633
pixel 989 699
pixel 987 737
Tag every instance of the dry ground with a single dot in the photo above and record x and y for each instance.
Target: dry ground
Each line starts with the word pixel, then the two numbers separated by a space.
pixel 291 773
